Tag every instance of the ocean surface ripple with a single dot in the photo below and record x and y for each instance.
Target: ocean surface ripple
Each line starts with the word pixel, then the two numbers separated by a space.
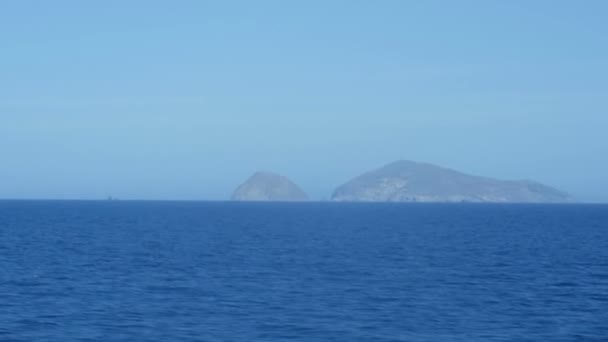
pixel 221 271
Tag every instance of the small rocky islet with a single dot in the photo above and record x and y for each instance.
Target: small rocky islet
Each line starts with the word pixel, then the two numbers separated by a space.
pixel 269 186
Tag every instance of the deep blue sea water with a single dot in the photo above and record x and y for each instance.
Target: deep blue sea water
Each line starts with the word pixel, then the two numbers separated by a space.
pixel 206 271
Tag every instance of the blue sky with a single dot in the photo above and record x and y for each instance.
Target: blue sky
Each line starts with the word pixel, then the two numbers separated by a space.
pixel 184 99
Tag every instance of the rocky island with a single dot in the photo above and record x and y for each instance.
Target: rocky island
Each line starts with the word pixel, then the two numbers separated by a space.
pixel 268 186
pixel 408 181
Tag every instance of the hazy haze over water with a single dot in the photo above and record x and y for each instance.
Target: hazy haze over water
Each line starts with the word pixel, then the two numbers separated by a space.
pixel 153 100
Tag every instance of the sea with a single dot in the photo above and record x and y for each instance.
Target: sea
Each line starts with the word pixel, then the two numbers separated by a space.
pixel 231 271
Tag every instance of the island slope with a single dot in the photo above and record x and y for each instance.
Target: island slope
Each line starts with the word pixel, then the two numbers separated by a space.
pixel 408 181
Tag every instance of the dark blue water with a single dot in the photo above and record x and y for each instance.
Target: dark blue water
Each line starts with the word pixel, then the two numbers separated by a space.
pixel 161 271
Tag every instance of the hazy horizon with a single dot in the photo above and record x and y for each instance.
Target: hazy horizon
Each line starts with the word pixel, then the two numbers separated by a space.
pixel 151 100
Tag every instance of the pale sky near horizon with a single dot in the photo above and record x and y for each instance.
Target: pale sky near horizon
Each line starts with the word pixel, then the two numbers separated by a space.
pixel 185 99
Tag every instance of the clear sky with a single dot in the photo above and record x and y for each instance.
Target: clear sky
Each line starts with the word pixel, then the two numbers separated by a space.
pixel 184 99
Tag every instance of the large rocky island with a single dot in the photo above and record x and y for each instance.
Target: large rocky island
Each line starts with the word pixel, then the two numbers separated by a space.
pixel 408 181
pixel 268 186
